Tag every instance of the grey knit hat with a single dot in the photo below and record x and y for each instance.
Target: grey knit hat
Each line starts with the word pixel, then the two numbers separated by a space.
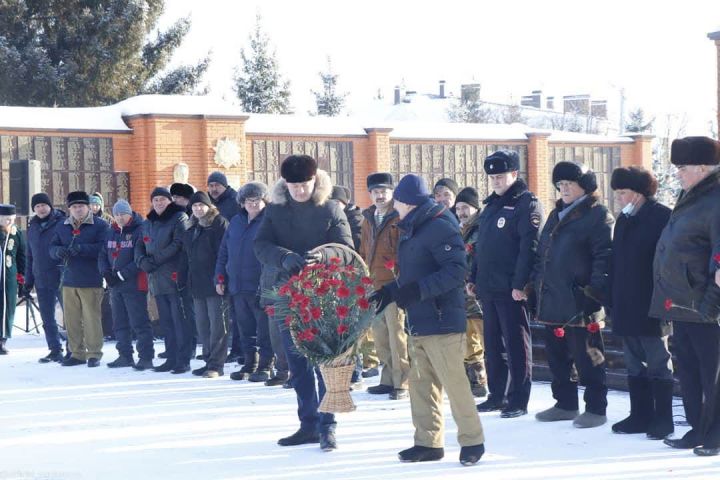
pixel 218 177
pixel 122 207
pixel 252 190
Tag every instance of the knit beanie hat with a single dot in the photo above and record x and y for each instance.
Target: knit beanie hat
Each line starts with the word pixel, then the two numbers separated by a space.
pixel 39 198
pixel 122 207
pixel 200 197
pixel 448 183
pixel 470 196
pixel 218 177
pixel 412 190
pixel 161 192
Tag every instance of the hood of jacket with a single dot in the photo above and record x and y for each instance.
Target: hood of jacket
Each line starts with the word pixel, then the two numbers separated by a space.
pixel 421 214
pixel 323 189
pixel 169 212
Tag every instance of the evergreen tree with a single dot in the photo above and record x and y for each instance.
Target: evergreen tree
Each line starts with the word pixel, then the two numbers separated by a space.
pixel 258 83
pixel 87 52
pixel 328 101
pixel 470 109
pixel 637 122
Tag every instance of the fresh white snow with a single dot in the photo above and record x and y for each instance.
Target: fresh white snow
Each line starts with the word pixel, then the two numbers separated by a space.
pixel 81 423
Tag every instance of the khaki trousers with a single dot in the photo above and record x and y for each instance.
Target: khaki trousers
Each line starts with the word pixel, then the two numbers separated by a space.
pixel 391 345
pixel 437 363
pixel 82 312
pixel 475 346
pixel 367 348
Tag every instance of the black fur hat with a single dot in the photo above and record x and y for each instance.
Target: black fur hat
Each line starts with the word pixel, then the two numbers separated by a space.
pixel 502 161
pixel 181 190
pixel 636 179
pixel 695 151
pixel 574 172
pixel 298 168
pixel 77 197
pixel 379 180
pixel 470 196
pixel 7 209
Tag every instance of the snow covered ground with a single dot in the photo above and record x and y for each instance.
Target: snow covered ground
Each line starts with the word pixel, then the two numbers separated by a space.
pixel 81 423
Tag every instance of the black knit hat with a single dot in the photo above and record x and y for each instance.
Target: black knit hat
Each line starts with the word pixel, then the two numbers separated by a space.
pixel 448 183
pixel 380 180
pixel 636 179
pixel 200 197
pixel 341 194
pixel 181 190
pixel 298 168
pixel 7 209
pixel 160 192
pixel 502 161
pixel 77 197
pixel 470 196
pixel 695 151
pixel 39 198
pixel 574 172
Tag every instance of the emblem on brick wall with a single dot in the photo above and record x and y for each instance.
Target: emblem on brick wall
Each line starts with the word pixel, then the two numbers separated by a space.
pixel 227 153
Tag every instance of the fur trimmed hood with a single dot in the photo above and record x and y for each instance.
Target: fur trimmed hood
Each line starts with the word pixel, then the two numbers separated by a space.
pixel 323 189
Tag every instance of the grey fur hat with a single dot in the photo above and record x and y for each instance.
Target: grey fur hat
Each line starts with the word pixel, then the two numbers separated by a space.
pixel 252 190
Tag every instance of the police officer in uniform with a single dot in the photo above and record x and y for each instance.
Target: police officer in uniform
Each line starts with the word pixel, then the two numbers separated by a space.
pixel 507 239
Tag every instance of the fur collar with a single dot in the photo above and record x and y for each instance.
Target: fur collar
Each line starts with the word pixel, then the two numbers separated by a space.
pixel 169 212
pixel 323 189
pixel 208 219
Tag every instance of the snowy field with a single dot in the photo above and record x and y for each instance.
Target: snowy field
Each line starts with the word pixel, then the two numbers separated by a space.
pixel 81 423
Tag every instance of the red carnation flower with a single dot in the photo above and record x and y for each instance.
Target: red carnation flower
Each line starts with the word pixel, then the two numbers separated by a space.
pixel 342 311
pixel 366 281
pixel 333 268
pixel 307 285
pixel 360 291
pixel 342 329
pixel 335 260
pixel 270 310
pixel 668 304
pixel 343 292
pixel 322 290
pixel 20 279
pixel 716 257
pixel 389 264
pixel 221 278
pixel 469 248
pixel 173 276
pixel 316 313
pixel 76 232
pixel 285 290
pixel 293 279
pixel 335 282
pixel 114 254
pixel 288 320
pixel 363 303
pixel 146 239
pixel 305 316
pixel 350 269
pixel 559 332
pixel 593 327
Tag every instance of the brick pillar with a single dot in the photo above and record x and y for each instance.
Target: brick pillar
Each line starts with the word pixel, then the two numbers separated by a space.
pixel 641 155
pixel 376 158
pixel 539 168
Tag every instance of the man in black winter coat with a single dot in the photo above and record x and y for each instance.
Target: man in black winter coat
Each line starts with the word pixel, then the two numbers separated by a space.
pixel 352 212
pixel 506 242
pixel 686 258
pixel 300 218
pixel 570 280
pixel 645 339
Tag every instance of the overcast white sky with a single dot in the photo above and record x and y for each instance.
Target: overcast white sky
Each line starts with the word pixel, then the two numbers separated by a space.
pixel 658 51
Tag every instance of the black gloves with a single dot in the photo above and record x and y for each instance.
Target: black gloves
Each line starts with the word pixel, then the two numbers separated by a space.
pixel 407 295
pixel 61 252
pixel 382 298
pixel 311 258
pixel 293 263
pixel 111 278
pixel 73 251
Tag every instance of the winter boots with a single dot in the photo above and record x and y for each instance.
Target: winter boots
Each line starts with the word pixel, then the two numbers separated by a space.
pixel 280 378
pixel 263 371
pixel 642 408
pixel 476 374
pixel 691 439
pixel 248 368
pixel 492 404
pixel 56 356
pixel 589 420
pixel 555 414
pixel 421 454
pixel 3 350
pixel 300 437
pixel 662 423
pixel 327 440
pixel 143 364
pixel 121 362
pixel 472 454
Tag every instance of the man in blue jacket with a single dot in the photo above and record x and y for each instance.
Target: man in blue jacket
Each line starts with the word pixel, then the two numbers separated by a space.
pixel 76 244
pixel 128 289
pixel 43 272
pixel 431 261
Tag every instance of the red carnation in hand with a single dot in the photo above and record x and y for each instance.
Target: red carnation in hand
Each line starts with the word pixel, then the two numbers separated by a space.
pixel 668 304
pixel 20 279
pixel 342 329
pixel 316 313
pixel 389 264
pixel 716 257
pixel 146 239
pixel 360 291
pixel 221 278
pixel 366 281
pixel 173 276
pixel 363 303
pixel 343 292
pixel 469 248
pixel 335 260
pixel 76 232
pixel 114 254
pixel 559 332
pixel 593 327
pixel 270 310
pixel 342 311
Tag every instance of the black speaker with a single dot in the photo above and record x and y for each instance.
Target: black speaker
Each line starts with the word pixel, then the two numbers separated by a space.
pixel 24 183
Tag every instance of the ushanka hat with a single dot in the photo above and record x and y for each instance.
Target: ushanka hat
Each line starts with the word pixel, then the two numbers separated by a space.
pixel 695 151
pixel 574 172
pixel 7 209
pixel 298 168
pixel 181 190
pixel 379 180
pixel 502 161
pixel 634 178
pixel 77 197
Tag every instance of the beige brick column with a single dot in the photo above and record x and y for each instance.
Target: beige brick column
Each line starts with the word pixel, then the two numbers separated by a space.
pixel 539 168
pixel 374 157
pixel 641 152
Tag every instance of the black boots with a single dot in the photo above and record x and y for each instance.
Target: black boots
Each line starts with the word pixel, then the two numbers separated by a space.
pixel 121 362
pixel 143 364
pixel 300 437
pixel 248 368
pixel 327 440
pixel 476 375
pixel 492 404
pixel 56 356
pixel 642 409
pixel 472 454
pixel 421 454
pixel 662 423
pixel 691 439
pixel 3 350
pixel 263 371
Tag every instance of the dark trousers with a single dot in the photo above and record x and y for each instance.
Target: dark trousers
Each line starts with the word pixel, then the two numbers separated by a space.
pixel 648 357
pixel 507 329
pixel 236 341
pixel 212 327
pixel 178 331
pixel 46 303
pixel 130 316
pixel 561 353
pixel 697 348
pixel 281 363
pixel 188 309
pixel 253 324
pixel 302 379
